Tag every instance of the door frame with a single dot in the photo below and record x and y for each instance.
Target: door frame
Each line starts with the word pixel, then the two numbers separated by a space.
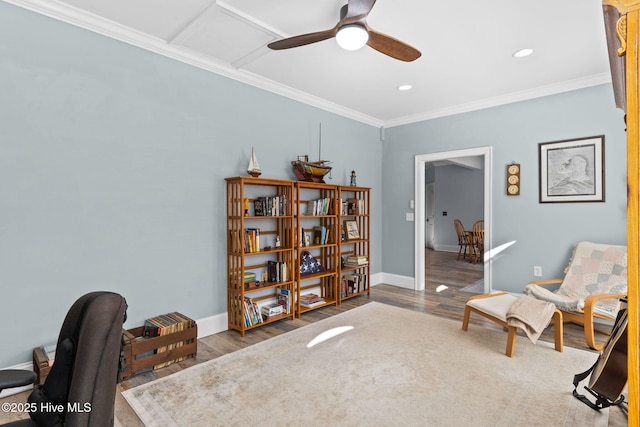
pixel 432 186
pixel 420 214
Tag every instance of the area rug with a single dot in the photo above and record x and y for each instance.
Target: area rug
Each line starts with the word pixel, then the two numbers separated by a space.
pixel 396 367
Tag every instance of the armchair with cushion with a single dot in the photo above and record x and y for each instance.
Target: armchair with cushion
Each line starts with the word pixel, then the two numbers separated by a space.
pixel 82 381
pixel 595 281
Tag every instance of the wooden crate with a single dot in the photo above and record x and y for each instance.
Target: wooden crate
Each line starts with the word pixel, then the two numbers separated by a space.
pixel 41 365
pixel 145 353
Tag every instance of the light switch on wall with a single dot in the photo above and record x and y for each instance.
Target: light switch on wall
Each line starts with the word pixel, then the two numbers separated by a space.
pixel 409 216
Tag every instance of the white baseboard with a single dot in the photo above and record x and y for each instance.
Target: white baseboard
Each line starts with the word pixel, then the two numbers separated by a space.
pixel 218 323
pixel 446 248
pixel 397 280
pixel 212 325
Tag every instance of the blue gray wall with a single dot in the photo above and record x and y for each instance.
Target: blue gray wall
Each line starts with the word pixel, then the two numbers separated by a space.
pixel 113 159
pixel 112 167
pixel 544 232
pixel 459 192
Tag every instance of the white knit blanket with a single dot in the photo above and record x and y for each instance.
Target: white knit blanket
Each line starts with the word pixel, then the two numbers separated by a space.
pixel 530 315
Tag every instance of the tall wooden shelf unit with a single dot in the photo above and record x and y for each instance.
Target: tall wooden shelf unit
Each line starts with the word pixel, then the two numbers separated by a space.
pixel 354 205
pixel 317 232
pixel 247 254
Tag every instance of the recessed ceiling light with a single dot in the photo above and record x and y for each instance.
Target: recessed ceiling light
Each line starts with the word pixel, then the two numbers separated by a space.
pixel 404 87
pixel 522 53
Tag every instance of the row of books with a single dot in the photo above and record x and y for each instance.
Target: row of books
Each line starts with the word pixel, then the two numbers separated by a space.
pixel 353 283
pixel 251 312
pixel 270 206
pixel 353 206
pixel 318 235
pixel 164 325
pixel 277 271
pixel 320 207
pixel 251 240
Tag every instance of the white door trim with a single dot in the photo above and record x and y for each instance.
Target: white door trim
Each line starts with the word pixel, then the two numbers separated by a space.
pixel 420 215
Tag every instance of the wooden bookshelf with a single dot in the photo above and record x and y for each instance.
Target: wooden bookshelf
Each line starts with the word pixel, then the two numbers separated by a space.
pixel 302 216
pixel 317 233
pixel 354 214
pixel 260 250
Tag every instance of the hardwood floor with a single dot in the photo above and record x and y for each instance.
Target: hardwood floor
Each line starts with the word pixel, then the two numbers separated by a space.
pixel 449 303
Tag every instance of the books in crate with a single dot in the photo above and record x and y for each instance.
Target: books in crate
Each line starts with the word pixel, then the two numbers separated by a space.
pixel 164 325
pixel 311 300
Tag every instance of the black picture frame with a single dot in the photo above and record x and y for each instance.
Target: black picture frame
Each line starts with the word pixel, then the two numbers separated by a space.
pixel 572 170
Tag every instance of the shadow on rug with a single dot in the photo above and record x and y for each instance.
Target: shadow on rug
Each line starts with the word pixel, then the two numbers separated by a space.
pixel 395 367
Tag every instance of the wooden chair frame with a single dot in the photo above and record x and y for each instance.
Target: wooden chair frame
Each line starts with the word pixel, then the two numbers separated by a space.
pixel 512 330
pixel 466 246
pixel 587 315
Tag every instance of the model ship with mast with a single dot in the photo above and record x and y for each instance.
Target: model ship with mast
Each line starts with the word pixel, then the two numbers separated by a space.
pixel 311 171
pixel 254 168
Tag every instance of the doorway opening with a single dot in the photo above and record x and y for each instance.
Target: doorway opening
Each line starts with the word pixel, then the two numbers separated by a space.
pixel 421 160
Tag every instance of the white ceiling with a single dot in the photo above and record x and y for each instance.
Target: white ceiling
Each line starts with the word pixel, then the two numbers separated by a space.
pixel 466 46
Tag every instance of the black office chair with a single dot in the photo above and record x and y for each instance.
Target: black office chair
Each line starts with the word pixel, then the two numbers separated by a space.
pixel 83 378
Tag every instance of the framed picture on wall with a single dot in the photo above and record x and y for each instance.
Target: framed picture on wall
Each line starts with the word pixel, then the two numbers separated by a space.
pixel 572 170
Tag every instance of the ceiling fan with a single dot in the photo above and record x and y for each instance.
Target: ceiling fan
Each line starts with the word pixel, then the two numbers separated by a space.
pixel 353 28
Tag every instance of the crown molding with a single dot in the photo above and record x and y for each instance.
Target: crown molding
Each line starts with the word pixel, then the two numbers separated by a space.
pixel 79 18
pixel 553 89
pixel 87 21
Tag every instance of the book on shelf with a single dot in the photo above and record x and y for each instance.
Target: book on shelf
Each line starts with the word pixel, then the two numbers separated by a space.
pixel 252 313
pixel 319 207
pixel 320 234
pixel 353 283
pixel 251 240
pixel 284 299
pixel 269 310
pixel 311 300
pixel 270 206
pixel 356 261
pixel 277 271
pixel 353 206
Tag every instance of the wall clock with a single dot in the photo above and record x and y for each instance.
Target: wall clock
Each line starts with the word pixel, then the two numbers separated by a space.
pixel 513 179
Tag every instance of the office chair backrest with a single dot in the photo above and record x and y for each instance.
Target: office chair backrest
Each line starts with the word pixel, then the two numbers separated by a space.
pixel 85 373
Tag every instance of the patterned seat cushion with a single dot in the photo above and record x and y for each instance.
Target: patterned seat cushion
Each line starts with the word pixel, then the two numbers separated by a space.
pixel 596 269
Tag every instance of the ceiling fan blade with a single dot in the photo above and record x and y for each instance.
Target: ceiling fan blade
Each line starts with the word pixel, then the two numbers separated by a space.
pixel 392 47
pixel 356 8
pixel 303 39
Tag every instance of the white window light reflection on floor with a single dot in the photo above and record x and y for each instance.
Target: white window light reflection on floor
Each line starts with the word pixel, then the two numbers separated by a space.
pixel 328 335
pixel 491 253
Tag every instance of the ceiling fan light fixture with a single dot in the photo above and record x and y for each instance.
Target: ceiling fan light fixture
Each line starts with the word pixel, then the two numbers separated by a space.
pixel 352 37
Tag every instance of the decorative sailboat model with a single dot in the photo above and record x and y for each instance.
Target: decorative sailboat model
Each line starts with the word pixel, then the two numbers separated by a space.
pixel 311 171
pixel 254 167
